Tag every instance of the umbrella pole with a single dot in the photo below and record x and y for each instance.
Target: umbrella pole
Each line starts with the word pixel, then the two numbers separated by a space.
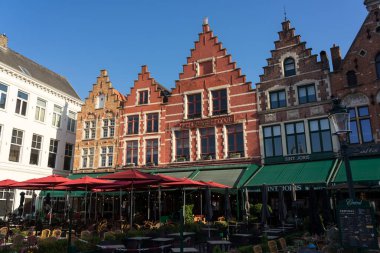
pixel 184 204
pixel 96 207
pixel 159 203
pixel 85 205
pixel 90 207
pixel 51 209
pixel 149 204
pixel 113 207
pixel 121 203
pixel 201 204
pixel 103 205
pixel 131 208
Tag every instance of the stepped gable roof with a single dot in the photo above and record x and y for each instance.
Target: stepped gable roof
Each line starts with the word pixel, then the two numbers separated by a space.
pixel 34 70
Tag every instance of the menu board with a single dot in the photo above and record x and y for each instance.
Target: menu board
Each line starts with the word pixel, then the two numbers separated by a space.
pixel 356 224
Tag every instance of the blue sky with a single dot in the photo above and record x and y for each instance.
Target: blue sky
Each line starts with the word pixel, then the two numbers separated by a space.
pixel 78 38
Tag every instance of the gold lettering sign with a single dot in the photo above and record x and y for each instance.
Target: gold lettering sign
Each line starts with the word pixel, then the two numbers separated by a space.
pixel 207 122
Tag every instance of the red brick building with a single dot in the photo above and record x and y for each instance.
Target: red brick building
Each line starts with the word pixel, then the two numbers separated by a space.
pixel 142 123
pixel 211 115
pixel 97 128
pixel 356 78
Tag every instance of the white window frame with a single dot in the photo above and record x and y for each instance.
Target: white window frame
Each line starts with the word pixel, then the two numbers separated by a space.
pixel 40 110
pixel 88 154
pixel 5 93
pixel 55 143
pixel 90 128
pixel 106 156
pixel 23 102
pixel 71 121
pixel 57 116
pixel 71 156
pixel 138 96
pixel 17 144
pixel 36 146
pixel 185 102
pixel 212 59
pixel 100 101
pixel 210 90
pixel 158 138
pixel 109 128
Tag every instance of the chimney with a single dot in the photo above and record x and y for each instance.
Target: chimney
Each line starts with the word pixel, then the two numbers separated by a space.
pixel 324 60
pixel 336 57
pixel 372 4
pixel 3 41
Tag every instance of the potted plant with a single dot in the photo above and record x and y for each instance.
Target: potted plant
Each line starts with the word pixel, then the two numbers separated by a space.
pixel 181 159
pixel 235 155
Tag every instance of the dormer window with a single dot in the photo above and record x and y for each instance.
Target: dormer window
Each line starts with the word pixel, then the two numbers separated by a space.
pixel 289 67
pixel 351 78
pixel 205 67
pixel 143 97
pixel 100 101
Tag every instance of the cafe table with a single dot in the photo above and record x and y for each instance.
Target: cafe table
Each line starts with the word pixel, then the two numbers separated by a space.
pixel 163 242
pixel 223 245
pixel 139 239
pixel 185 250
pixel 184 234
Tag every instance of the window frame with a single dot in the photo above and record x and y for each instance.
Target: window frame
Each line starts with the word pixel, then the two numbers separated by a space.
pixel 152 146
pixel 16 144
pixel 296 136
pixel 207 135
pixel 3 95
pixel 351 78
pixel 53 151
pixel 57 116
pixel 359 126
pixel 108 128
pixel 87 157
pixel 181 137
pixel 289 61
pixel 36 146
pixel 40 110
pixel 308 100
pixel 133 124
pixel 193 102
pixel 89 129
pixel 319 132
pixel 278 102
pixel 68 156
pixel 132 153
pixel 106 158
pixel 71 121
pixel 217 108
pixel 22 104
pixel 152 122
pixel 143 98
pixel 236 139
pixel 272 139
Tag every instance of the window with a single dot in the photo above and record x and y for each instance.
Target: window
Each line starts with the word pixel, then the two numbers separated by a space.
pixel 89 129
pixel 306 94
pixel 68 156
pixel 21 103
pixel 16 145
pixel 132 152
pixel 207 143
pixel 219 102
pixel 40 110
pixel 377 60
pixel 182 145
pixel 272 141
pixel 3 95
pixel 194 106
pixel 100 101
pixel 87 157
pixel 57 114
pixel 320 135
pixel 289 67
pixel 152 123
pixel 6 200
pixel 106 157
pixel 295 138
pixel 205 67
pixel 235 140
pixel 277 99
pixel 53 149
pixel 351 78
pixel 71 121
pixel 143 97
pixel 360 124
pixel 133 124
pixel 108 128
pixel 35 149
pixel 151 157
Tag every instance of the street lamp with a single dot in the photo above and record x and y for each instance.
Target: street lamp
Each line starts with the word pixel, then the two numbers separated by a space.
pixel 340 118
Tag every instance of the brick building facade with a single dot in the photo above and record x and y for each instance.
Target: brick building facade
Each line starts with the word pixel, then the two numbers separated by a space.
pixel 211 113
pixel 97 128
pixel 142 123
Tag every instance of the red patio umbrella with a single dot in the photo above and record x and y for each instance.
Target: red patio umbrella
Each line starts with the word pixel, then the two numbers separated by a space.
pixel 85 183
pixel 7 183
pixel 212 184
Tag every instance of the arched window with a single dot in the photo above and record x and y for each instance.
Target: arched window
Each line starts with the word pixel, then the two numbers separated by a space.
pixel 289 67
pixel 351 78
pixel 377 60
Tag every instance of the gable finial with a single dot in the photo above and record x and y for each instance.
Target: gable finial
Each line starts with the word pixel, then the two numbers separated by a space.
pixel 285 18
pixel 205 21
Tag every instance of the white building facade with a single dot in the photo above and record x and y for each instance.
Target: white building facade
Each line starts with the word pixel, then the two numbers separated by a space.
pixel 38 110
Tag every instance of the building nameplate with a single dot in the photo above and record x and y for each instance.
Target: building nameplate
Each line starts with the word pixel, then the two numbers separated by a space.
pixel 210 122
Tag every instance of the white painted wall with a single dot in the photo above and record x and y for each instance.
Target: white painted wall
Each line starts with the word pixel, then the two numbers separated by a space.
pixel 19 171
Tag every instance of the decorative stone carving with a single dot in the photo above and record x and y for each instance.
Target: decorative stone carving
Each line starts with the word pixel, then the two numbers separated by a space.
pixel 316 110
pixel 355 100
pixel 293 114
pixel 270 117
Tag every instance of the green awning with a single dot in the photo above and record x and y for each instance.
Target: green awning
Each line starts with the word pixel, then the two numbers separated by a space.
pixel 311 173
pixel 365 170
pixel 179 174
pixel 61 194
